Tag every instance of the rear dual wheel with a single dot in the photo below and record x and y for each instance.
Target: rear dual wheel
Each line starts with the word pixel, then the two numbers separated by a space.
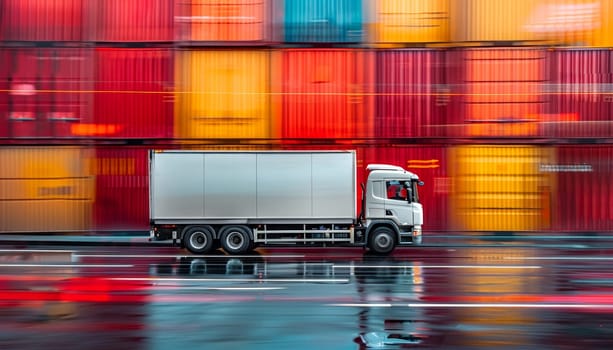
pixel 198 240
pixel 236 239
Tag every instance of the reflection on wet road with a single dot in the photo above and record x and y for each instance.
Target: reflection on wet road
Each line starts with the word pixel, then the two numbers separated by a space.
pixel 430 297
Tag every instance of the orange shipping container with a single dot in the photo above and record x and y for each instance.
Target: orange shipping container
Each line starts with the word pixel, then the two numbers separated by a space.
pixel 501 90
pixel 326 93
pixel 571 22
pixel 412 21
pixel 224 20
pixel 223 94
pixel 45 189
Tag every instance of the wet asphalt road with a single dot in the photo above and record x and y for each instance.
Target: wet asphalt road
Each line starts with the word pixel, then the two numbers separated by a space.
pixel 496 295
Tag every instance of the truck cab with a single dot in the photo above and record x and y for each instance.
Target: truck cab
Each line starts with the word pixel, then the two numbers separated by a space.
pixel 392 214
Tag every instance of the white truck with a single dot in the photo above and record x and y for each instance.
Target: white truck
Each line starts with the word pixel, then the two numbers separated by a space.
pixel 203 200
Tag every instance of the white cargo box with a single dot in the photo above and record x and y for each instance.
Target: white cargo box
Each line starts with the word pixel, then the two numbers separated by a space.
pixel 251 187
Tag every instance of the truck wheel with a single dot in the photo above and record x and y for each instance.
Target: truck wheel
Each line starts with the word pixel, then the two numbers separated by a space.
pixel 235 239
pixel 198 240
pixel 382 240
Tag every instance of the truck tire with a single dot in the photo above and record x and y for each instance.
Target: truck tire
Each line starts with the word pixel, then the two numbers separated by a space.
pixel 381 240
pixel 235 239
pixel 198 240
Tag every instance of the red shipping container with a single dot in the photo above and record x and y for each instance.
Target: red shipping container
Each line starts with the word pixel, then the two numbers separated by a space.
pixel 133 20
pixel 412 96
pixel 325 93
pixel 41 20
pixel 5 72
pixel 430 164
pixel 122 189
pixel 134 97
pixel 48 91
pixel 580 94
pixel 583 194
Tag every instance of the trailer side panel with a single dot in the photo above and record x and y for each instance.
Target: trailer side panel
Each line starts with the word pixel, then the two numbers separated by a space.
pixel 253 186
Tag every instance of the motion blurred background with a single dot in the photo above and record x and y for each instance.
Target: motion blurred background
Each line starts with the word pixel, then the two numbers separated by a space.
pixel 502 107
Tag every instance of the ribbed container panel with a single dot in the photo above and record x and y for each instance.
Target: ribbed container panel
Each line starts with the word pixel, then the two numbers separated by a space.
pixel 223 94
pixel 48 92
pixel 228 22
pixel 411 93
pixel 131 20
pixel 326 93
pixel 500 90
pixel 45 189
pixel 42 20
pixel 411 21
pixel 582 197
pixel 500 188
pixel 134 94
pixel 579 93
pixel 323 21
pixel 122 188
pixel 566 22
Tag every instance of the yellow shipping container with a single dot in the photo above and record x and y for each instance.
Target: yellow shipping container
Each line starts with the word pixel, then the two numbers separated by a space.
pixel 223 94
pixel 411 21
pixel 45 189
pixel 493 200
pixel 564 22
pixel 512 184
pixel 500 188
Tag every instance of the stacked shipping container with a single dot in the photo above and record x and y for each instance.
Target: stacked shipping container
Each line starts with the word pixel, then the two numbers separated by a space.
pixel 579 91
pixel 130 20
pixel 346 74
pixel 326 93
pixel 133 94
pixel 47 92
pixel 122 188
pixel 235 22
pixel 42 20
pixel 45 189
pixel 223 94
pixel 583 192
pixel 391 22
pixel 323 21
pixel 412 95
pixel 500 90
pixel 559 22
pixel 501 188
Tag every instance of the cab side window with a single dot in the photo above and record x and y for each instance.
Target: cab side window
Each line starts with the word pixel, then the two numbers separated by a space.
pixel 395 190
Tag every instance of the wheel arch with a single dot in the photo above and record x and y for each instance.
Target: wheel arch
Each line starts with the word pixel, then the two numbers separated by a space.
pixel 382 223
pixel 219 233
pixel 209 228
